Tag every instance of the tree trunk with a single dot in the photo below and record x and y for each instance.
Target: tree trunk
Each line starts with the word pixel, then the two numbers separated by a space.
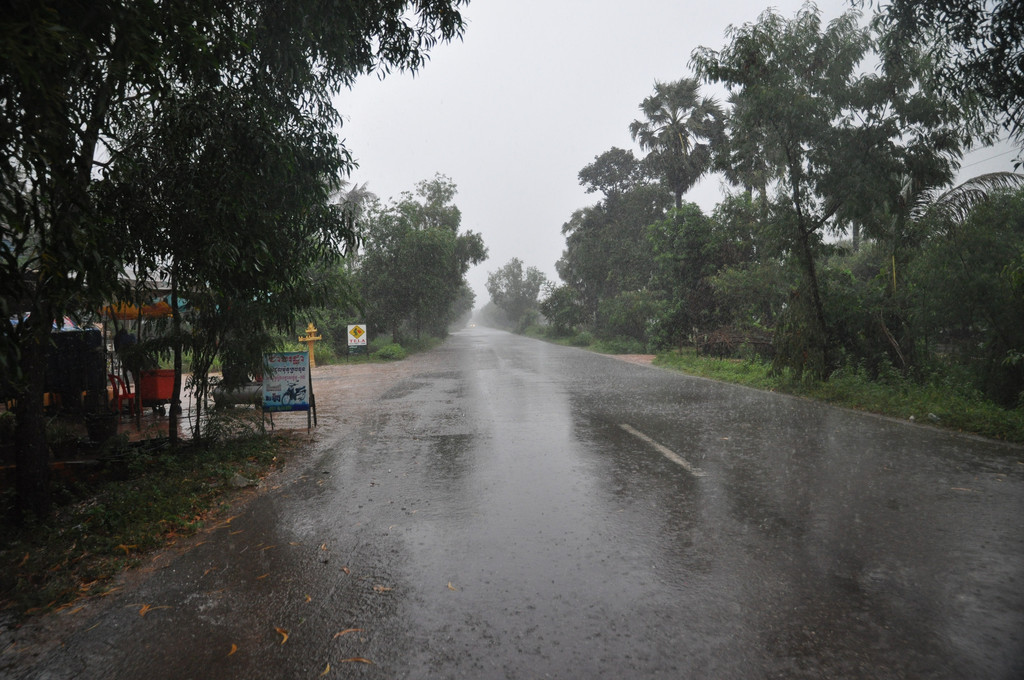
pixel 819 338
pixel 175 405
pixel 32 457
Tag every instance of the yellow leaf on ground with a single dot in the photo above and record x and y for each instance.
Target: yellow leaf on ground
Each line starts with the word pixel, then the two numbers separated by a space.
pixel 326 670
pixel 234 648
pixel 356 659
pixel 283 633
pixel 346 632
pixel 381 589
pixel 450 586
pixel 308 598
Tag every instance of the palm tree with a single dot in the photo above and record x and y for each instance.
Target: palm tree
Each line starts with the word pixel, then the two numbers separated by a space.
pixel 680 129
pixel 956 204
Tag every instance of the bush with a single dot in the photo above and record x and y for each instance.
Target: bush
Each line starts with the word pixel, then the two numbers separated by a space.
pixel 378 343
pixel 620 346
pixel 583 339
pixel 421 344
pixel 392 352
pixel 324 354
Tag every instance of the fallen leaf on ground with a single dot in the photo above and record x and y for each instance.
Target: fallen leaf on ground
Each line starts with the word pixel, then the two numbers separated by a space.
pixel 381 589
pixel 23 560
pixel 283 633
pixel 262 576
pixel 308 598
pixel 146 608
pixel 356 659
pixel 346 632
pixel 234 648
pixel 126 547
pixel 326 671
pixel 323 546
pixel 450 586
pixel 345 569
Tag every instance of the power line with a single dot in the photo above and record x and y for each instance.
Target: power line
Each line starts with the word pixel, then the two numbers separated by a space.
pixel 986 160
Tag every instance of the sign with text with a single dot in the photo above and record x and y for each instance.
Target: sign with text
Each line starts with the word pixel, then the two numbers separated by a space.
pixel 357 335
pixel 286 381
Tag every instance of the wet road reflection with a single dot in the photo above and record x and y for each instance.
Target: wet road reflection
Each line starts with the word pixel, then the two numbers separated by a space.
pixel 818 543
pixel 513 509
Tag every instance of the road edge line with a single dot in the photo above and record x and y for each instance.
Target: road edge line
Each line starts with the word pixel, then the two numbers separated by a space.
pixel 663 450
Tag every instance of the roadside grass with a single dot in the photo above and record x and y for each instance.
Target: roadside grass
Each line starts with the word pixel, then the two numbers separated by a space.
pixel 934 400
pixel 381 349
pixel 940 399
pixel 141 499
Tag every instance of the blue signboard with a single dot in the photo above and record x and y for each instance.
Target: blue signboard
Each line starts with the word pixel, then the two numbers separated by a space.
pixel 286 381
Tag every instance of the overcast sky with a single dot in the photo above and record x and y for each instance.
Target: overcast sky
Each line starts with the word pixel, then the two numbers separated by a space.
pixel 534 91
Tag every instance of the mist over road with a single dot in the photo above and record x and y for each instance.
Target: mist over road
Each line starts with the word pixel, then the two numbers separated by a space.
pixel 505 508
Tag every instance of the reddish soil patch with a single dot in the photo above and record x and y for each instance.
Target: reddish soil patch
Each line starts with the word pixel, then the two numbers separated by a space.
pixel 645 359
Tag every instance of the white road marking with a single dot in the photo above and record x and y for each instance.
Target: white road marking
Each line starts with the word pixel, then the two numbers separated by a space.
pixel 664 450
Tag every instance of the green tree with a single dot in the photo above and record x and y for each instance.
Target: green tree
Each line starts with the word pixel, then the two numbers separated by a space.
pixel 690 250
pixel 73 75
pixel 190 167
pixel 840 142
pixel 976 44
pixel 678 131
pixel 800 107
pixel 680 245
pixel 412 271
pixel 563 310
pixel 516 290
pixel 613 173
pixel 606 249
pixel 965 295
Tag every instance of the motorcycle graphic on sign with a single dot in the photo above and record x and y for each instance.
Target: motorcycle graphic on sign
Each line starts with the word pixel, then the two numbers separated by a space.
pixel 286 381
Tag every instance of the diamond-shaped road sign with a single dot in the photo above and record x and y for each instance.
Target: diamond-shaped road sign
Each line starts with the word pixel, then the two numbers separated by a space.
pixel 357 335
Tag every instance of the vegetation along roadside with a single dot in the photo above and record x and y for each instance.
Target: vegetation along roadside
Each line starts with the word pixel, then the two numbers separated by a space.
pixel 137 499
pixel 940 398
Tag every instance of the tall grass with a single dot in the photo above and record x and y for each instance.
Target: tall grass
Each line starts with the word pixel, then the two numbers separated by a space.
pixel 143 499
pixel 939 398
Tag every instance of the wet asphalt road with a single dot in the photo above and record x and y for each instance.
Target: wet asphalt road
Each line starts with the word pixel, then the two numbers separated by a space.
pixel 513 509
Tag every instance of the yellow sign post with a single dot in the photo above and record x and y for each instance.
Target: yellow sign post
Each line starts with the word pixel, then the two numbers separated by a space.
pixel 309 338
